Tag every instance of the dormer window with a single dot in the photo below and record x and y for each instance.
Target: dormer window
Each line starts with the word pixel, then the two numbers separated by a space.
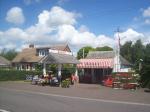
pixel 43 52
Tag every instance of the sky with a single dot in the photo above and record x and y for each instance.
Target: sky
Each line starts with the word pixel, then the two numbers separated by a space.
pixel 75 22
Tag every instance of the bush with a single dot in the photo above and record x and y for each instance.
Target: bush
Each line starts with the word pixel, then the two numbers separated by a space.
pixel 65 83
pixel 145 75
pixel 14 75
pixel 67 70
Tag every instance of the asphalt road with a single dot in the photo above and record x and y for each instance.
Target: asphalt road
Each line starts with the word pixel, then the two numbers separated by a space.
pixel 12 100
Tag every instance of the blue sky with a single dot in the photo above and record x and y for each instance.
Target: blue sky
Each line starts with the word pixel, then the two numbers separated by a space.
pixel 77 22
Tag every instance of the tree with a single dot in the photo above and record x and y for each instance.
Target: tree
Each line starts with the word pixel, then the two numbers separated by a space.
pixel 138 50
pixel 135 53
pixel 105 48
pixel 8 54
pixel 147 50
pixel 145 77
pixel 126 51
pixel 84 51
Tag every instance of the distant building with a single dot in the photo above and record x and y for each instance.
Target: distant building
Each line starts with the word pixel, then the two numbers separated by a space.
pixel 98 64
pixel 57 54
pixel 4 63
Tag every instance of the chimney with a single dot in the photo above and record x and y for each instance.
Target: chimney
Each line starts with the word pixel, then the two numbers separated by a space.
pixel 31 46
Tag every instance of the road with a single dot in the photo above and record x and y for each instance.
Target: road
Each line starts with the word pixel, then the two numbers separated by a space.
pixel 13 100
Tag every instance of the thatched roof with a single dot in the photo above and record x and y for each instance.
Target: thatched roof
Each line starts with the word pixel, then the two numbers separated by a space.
pixel 56 58
pixel 4 61
pixel 27 55
pixel 30 54
pixel 105 55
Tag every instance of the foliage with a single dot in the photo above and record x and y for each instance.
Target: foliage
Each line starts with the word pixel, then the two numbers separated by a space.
pixel 13 75
pixel 85 50
pixel 138 53
pixel 82 53
pixel 126 51
pixel 65 83
pixel 105 48
pixel 133 52
pixel 67 70
pixel 38 67
pixel 53 67
pixel 145 72
pixel 8 54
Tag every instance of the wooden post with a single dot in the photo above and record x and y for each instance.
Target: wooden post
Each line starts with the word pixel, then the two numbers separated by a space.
pixel 59 70
pixel 76 72
pixel 76 75
pixel 44 69
pixel 59 74
pixel 93 77
pixel 103 72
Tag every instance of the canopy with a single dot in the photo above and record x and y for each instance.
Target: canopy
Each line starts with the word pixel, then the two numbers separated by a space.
pixel 56 58
pixel 95 63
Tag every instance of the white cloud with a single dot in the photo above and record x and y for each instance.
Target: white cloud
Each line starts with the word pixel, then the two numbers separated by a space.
pixel 146 15
pixel 50 21
pixel 58 26
pixel 57 16
pixel 103 40
pixel 12 37
pixel 15 15
pixel 130 35
pixel 146 12
pixel 79 39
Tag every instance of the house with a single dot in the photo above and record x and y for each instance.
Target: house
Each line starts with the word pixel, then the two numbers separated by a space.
pixel 4 63
pixel 57 54
pixel 98 64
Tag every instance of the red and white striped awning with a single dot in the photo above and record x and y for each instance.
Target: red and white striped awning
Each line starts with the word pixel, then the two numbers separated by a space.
pixel 95 63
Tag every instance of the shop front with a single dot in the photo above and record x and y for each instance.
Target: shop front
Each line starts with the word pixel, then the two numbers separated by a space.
pixel 94 70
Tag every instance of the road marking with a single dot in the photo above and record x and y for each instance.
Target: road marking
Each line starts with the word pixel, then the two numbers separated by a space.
pixel 81 98
pixel 1 110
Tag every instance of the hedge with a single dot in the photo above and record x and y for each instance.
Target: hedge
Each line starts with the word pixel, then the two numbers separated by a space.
pixel 14 75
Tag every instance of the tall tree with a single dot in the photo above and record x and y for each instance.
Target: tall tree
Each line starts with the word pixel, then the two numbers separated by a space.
pixel 137 52
pixel 145 77
pixel 126 51
pixel 147 50
pixel 84 51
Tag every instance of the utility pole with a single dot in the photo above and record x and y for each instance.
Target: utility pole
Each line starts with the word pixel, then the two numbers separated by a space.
pixel 83 53
pixel 117 53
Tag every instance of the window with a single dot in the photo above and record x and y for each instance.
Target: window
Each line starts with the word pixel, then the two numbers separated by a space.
pixel 43 52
